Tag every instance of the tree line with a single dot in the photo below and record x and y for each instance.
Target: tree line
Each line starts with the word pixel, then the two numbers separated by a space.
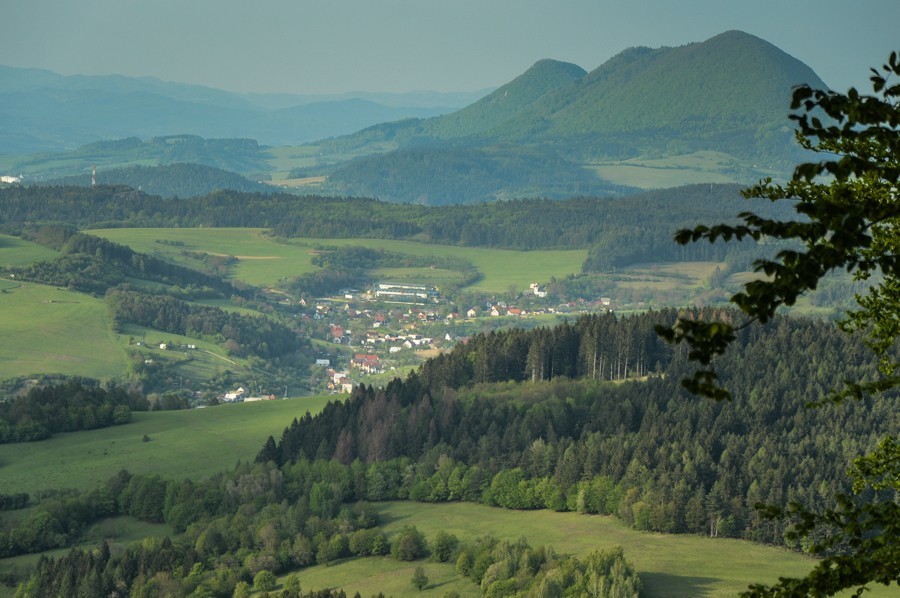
pixel 620 230
pixel 92 264
pixel 478 425
pixel 241 334
pixel 75 404
pixel 238 530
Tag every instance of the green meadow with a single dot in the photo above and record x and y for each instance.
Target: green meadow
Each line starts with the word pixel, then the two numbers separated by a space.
pixel 675 171
pixel 48 330
pixel 193 444
pixel 205 361
pixel 264 261
pixel 669 565
pixel 261 260
pixel 18 252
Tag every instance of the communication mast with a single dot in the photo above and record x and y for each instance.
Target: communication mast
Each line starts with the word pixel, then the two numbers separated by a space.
pixel 93 176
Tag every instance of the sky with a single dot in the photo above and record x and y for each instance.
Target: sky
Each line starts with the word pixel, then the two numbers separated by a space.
pixel 335 46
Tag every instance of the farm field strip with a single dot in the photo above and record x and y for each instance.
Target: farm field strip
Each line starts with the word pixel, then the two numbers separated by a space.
pixel 287 258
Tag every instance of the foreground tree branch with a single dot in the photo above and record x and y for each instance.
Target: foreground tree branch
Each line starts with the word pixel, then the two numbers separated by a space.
pixel 848 219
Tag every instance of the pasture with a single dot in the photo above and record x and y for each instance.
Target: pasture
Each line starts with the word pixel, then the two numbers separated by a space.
pixel 182 444
pixel 265 261
pixel 18 252
pixel 283 159
pixel 260 260
pixel 206 361
pixel 675 171
pixel 669 565
pixel 48 330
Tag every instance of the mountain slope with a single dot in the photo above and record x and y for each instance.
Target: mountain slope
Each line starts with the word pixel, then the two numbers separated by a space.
pixel 475 119
pixel 507 102
pixel 729 95
pixel 732 92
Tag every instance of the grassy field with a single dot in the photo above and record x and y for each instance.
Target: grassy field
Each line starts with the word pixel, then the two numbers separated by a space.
pixel 669 565
pixel 183 444
pixel 50 330
pixel 202 442
pixel 17 252
pixel 283 159
pixel 261 261
pixel 674 171
pixel 186 367
pixel 264 261
pixel 47 330
pixel 500 268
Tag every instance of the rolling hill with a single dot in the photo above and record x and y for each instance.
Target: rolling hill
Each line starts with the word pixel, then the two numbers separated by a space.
pixel 170 180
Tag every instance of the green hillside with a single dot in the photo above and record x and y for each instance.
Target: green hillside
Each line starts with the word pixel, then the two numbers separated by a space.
pixel 57 332
pixel 733 84
pixel 484 115
pixel 728 96
pixel 733 79
pixel 192 443
pixel 235 155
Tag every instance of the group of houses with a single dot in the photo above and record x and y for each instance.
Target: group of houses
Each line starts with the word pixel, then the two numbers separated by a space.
pixel 339 381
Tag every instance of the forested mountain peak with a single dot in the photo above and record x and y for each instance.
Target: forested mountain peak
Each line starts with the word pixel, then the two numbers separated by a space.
pixel 731 84
pixel 484 115
pixel 728 95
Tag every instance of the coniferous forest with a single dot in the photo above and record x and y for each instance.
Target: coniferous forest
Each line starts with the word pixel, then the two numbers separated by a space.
pixel 617 231
pixel 588 416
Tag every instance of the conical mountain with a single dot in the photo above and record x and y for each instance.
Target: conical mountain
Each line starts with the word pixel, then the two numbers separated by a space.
pixel 480 117
pixel 733 88
pixel 508 101
pixel 713 111
pixel 730 93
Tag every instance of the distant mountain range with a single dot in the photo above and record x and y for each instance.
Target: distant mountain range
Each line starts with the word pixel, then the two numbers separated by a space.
pixel 41 111
pixel 707 112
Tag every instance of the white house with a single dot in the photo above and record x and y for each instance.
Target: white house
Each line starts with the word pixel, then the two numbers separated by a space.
pixel 537 290
pixel 237 395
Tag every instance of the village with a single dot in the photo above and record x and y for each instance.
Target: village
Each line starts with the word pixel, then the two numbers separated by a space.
pixel 392 327
pixel 374 335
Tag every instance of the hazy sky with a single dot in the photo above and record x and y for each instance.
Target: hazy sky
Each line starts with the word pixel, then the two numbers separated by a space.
pixel 322 46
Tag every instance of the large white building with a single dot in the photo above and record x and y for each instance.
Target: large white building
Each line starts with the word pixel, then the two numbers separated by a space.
pixel 406 293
